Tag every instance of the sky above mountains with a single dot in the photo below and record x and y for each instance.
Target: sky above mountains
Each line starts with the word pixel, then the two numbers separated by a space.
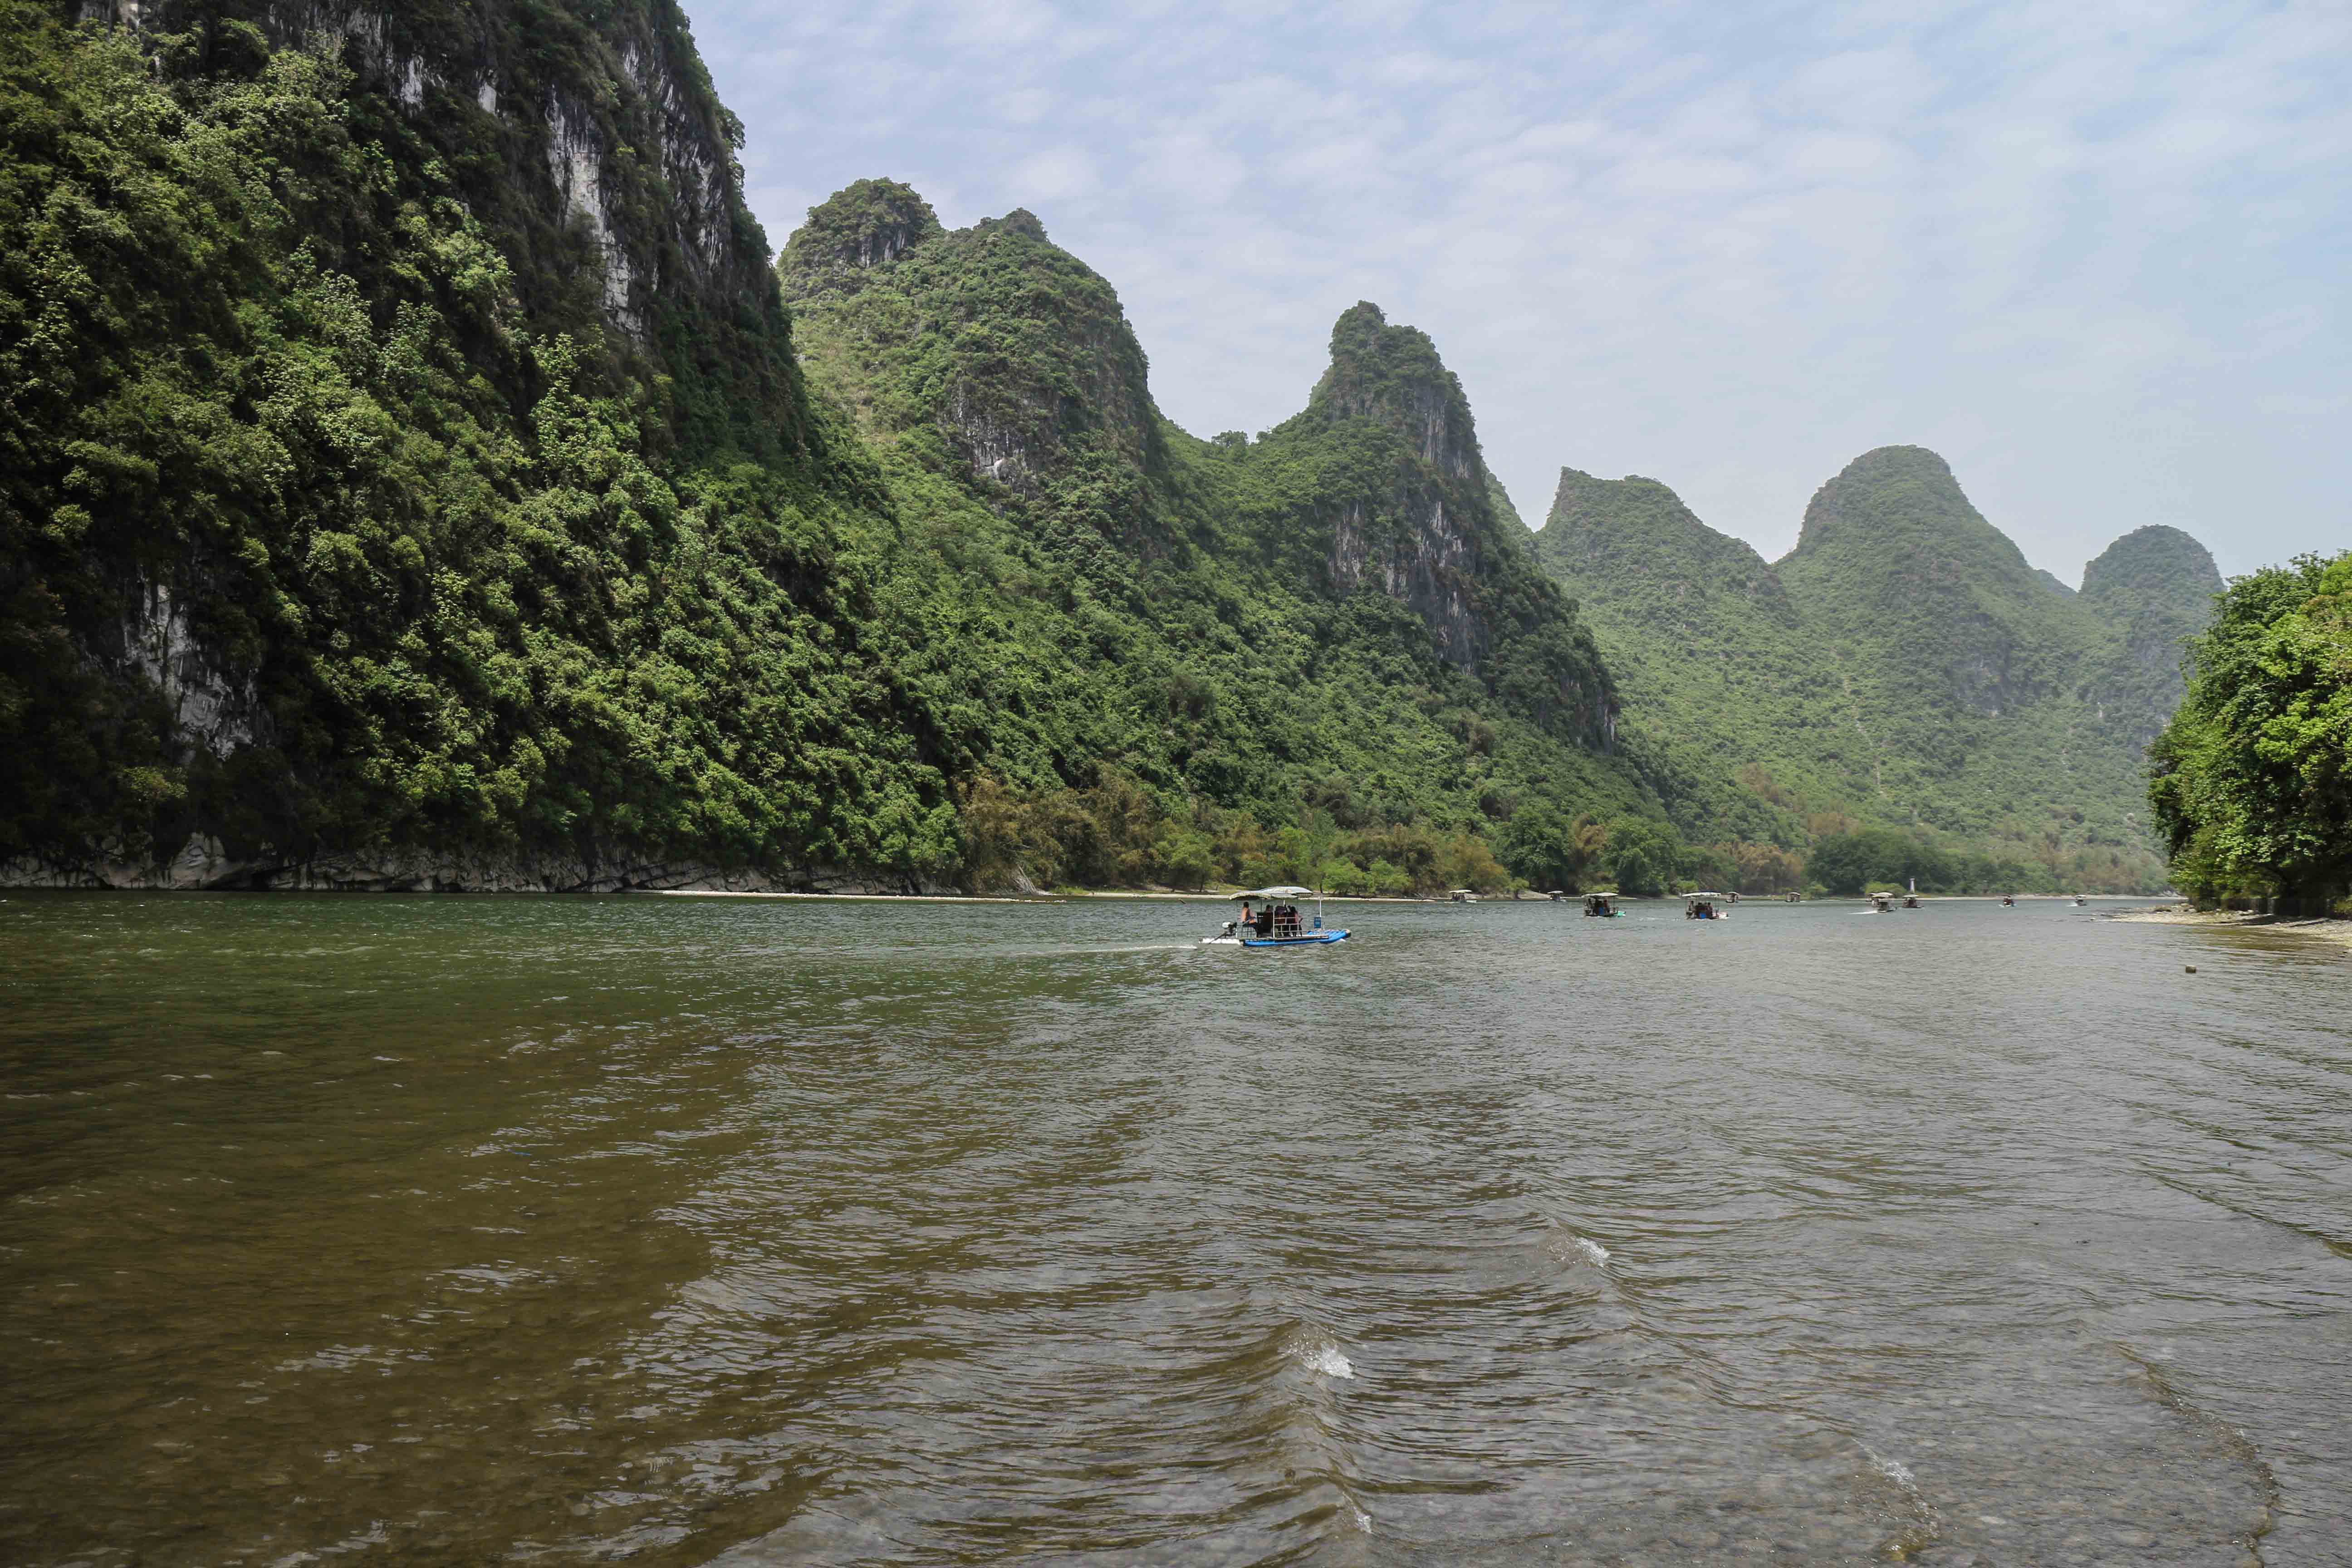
pixel 2092 254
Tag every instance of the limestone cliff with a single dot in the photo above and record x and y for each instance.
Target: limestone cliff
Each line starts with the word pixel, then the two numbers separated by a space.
pixel 413 483
pixel 992 356
pixel 1014 363
pixel 1429 539
pixel 404 469
pixel 993 339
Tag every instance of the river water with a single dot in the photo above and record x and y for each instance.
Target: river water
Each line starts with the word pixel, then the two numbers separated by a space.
pixel 565 1230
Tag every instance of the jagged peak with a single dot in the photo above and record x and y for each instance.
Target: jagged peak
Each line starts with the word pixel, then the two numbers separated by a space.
pixel 1392 374
pixel 1576 486
pixel 869 224
pixel 1611 531
pixel 1020 220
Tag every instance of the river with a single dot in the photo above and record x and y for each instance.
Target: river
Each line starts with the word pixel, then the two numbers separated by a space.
pixel 567 1230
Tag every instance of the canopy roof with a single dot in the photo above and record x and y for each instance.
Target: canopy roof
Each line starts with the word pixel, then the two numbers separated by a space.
pixel 1706 895
pixel 1277 893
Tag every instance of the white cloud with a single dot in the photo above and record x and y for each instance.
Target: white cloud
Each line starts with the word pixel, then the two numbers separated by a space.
pixel 1056 174
pixel 2092 253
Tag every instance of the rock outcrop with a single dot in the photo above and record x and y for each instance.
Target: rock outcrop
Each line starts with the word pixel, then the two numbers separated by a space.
pixel 1019 355
pixel 1428 540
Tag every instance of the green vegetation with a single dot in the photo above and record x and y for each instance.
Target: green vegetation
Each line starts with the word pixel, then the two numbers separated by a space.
pixel 284 446
pixel 1851 863
pixel 365 488
pixel 1233 659
pixel 2252 782
pixel 2156 587
pixel 408 447
pixel 1902 694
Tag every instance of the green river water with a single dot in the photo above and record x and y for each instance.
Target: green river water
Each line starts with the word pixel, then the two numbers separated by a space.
pixel 700 1230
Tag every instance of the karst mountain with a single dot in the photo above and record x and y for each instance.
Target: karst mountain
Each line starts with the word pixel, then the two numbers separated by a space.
pixel 1902 666
pixel 420 471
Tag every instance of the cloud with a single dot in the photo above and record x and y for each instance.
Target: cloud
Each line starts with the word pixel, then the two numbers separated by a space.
pixel 1055 174
pixel 2092 253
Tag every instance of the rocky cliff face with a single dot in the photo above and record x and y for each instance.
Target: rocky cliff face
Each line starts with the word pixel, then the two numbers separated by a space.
pixel 857 229
pixel 406 466
pixel 601 127
pixel 1425 538
pixel 1009 348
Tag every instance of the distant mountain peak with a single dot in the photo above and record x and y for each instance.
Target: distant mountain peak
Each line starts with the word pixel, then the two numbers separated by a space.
pixel 1020 220
pixel 1392 374
pixel 1028 359
pixel 2153 560
pixel 2155 585
pixel 869 224
pixel 1904 501
pixel 1901 457
pixel 1634 536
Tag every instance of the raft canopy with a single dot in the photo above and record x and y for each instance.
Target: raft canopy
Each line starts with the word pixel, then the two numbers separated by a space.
pixel 1706 895
pixel 1268 893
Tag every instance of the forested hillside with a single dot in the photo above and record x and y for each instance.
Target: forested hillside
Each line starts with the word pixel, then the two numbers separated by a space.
pixel 410 480
pixel 1317 653
pixel 416 470
pixel 1903 668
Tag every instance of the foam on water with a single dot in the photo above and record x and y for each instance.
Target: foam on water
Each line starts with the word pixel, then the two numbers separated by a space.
pixel 1594 1253
pixel 1323 1357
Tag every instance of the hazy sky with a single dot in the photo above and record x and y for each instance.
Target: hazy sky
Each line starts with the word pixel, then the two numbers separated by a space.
pixel 2097 255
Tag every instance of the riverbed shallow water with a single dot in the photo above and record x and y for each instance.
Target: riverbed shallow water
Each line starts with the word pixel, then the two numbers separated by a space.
pixel 683 1231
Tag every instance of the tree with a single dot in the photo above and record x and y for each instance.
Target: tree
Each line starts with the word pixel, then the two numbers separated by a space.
pixel 1643 853
pixel 1850 862
pixel 1542 843
pixel 2252 782
pixel 1639 875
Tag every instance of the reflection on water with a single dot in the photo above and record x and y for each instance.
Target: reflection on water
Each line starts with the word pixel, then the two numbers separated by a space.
pixel 462 1230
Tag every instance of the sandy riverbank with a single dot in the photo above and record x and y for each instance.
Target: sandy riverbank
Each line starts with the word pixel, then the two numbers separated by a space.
pixel 2338 931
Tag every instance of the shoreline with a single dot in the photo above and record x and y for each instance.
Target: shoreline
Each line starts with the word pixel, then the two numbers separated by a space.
pixel 2322 928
